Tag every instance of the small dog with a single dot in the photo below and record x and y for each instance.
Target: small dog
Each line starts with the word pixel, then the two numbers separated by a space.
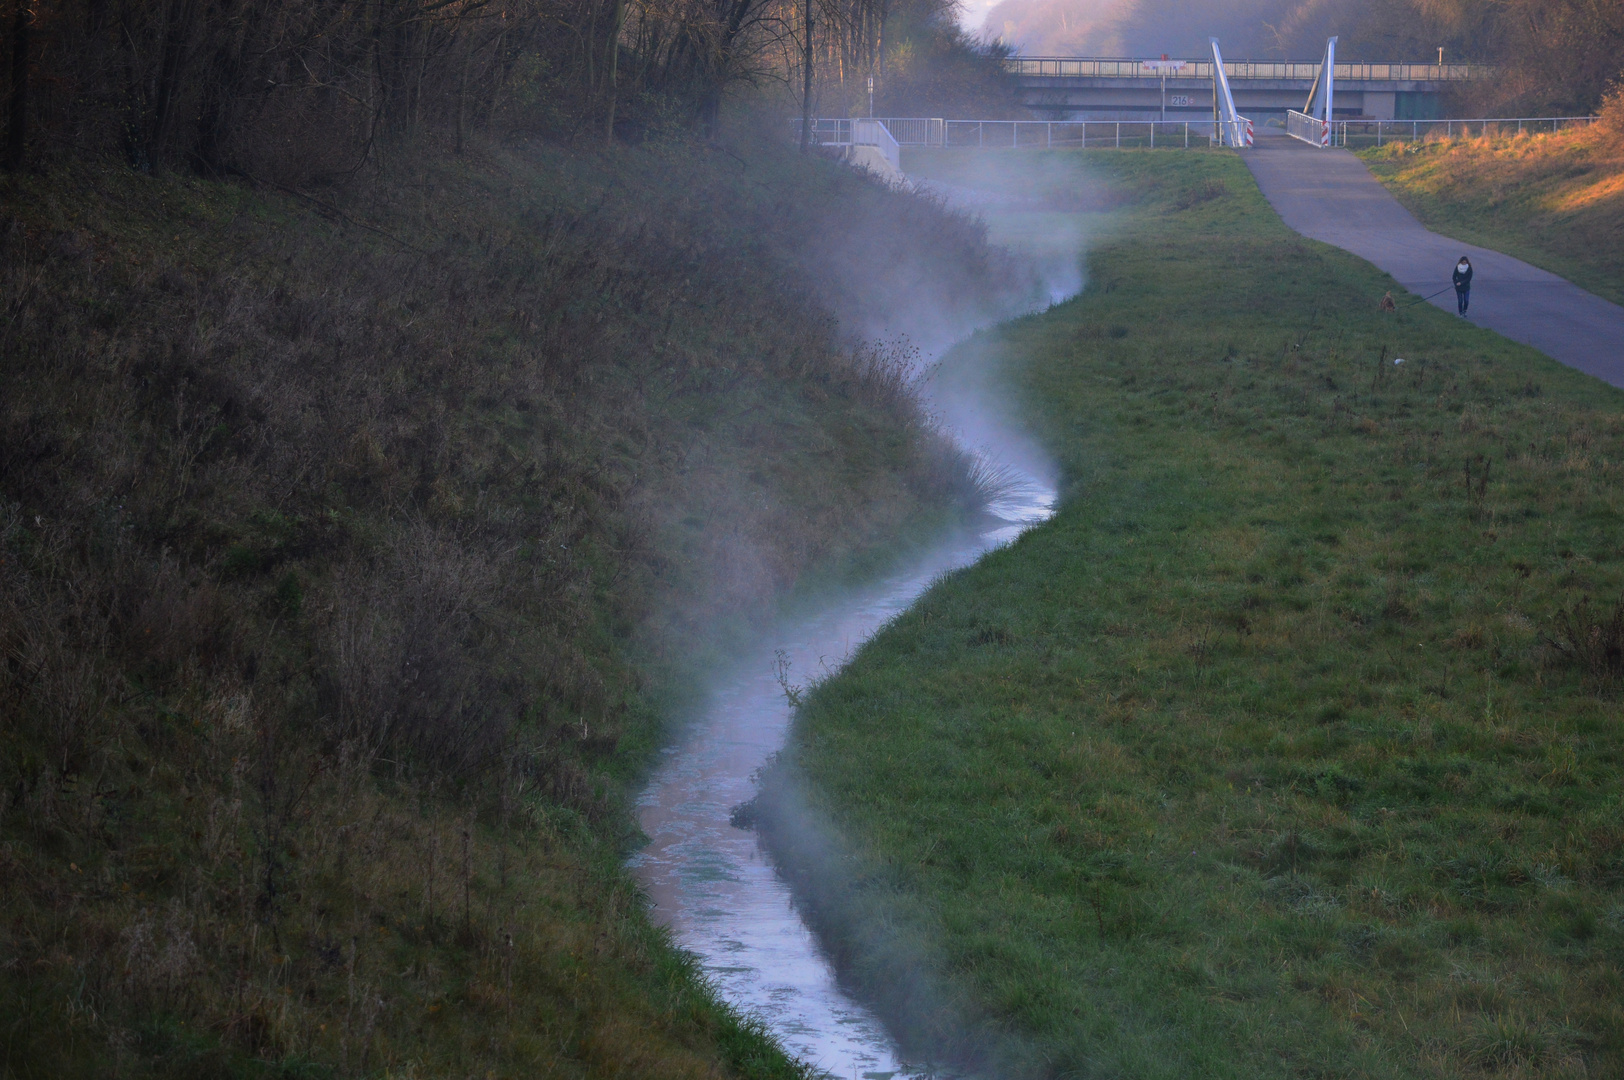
pixel 1387 303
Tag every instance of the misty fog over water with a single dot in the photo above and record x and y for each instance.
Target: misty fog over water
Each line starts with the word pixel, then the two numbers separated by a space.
pixel 711 882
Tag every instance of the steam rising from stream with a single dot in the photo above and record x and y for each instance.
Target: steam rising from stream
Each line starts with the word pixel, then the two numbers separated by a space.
pixel 723 896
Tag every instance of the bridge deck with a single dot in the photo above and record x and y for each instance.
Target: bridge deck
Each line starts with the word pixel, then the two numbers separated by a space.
pixel 1104 88
pixel 1089 67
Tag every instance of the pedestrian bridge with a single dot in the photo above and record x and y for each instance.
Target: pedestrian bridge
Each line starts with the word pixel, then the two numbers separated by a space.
pixel 1106 88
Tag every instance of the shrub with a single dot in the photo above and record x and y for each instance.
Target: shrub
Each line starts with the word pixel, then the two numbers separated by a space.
pixel 1593 639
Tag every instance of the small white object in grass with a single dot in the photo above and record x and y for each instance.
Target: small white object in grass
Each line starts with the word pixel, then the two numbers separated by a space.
pixel 1398 359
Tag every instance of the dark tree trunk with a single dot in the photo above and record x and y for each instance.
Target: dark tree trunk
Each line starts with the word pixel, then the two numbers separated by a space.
pixel 17 113
pixel 806 80
pixel 222 82
pixel 617 19
pixel 177 30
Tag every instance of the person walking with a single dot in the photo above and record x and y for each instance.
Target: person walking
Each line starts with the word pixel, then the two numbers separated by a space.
pixel 1463 284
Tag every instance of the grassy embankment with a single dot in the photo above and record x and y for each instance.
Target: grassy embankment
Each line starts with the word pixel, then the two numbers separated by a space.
pixel 1556 201
pixel 351 549
pixel 1269 755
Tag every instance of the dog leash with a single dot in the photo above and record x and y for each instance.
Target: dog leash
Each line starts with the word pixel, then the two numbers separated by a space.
pixel 1424 299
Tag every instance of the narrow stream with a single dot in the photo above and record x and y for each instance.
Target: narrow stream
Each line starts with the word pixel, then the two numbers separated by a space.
pixel 711 882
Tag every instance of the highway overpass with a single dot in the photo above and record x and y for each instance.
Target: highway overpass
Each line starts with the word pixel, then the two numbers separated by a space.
pixel 1096 88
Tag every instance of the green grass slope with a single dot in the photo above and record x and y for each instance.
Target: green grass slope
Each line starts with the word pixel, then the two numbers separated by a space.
pixel 354 546
pixel 1290 747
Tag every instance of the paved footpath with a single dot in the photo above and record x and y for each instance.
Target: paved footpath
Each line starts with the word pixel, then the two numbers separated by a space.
pixel 1329 195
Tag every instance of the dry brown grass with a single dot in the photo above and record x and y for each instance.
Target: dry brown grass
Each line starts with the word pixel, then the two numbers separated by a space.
pixel 1555 200
pixel 341 568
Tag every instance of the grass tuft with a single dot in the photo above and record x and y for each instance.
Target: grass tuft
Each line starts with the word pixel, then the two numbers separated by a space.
pixel 1594 639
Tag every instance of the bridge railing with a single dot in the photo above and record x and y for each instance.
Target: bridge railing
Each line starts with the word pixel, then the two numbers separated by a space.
pixel 1310 129
pixel 858 131
pixel 1300 70
pixel 875 133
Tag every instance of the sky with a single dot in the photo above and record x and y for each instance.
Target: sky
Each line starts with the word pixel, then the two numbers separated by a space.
pixel 1260 29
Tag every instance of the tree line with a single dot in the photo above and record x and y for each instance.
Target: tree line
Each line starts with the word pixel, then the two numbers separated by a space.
pixel 313 89
pixel 1552 55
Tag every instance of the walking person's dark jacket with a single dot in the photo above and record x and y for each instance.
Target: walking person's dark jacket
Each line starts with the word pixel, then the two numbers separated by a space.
pixel 1462 278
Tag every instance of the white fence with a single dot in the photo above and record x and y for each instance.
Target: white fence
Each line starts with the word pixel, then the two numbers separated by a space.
pixel 892 133
pixel 874 133
pixel 1311 129
pixel 1026 134
pixel 916 130
pixel 857 131
pixel 1079 134
pixel 1379 132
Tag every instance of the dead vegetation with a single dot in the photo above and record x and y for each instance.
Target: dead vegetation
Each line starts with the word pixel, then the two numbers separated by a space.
pixel 1593 638
pixel 1556 200
pixel 342 563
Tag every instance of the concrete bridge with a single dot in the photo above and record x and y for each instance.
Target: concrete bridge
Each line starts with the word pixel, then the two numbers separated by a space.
pixel 1094 88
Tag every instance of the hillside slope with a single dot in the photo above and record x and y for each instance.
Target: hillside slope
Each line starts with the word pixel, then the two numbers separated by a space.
pixel 1289 747
pixel 1556 201
pixel 351 545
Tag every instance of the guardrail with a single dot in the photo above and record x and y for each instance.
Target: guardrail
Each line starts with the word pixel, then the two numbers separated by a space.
pixel 1305 70
pixel 1379 132
pixel 916 130
pixel 1079 134
pixel 1028 134
pixel 874 133
pixel 860 131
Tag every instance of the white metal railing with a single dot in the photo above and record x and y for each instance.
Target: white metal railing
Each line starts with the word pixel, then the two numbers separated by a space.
pixel 1303 70
pixel 847 132
pixel 874 133
pixel 1310 129
pixel 1092 134
pixel 1032 134
pixel 826 130
pixel 915 130
pixel 1378 132
pixel 1368 132
pixel 1079 134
